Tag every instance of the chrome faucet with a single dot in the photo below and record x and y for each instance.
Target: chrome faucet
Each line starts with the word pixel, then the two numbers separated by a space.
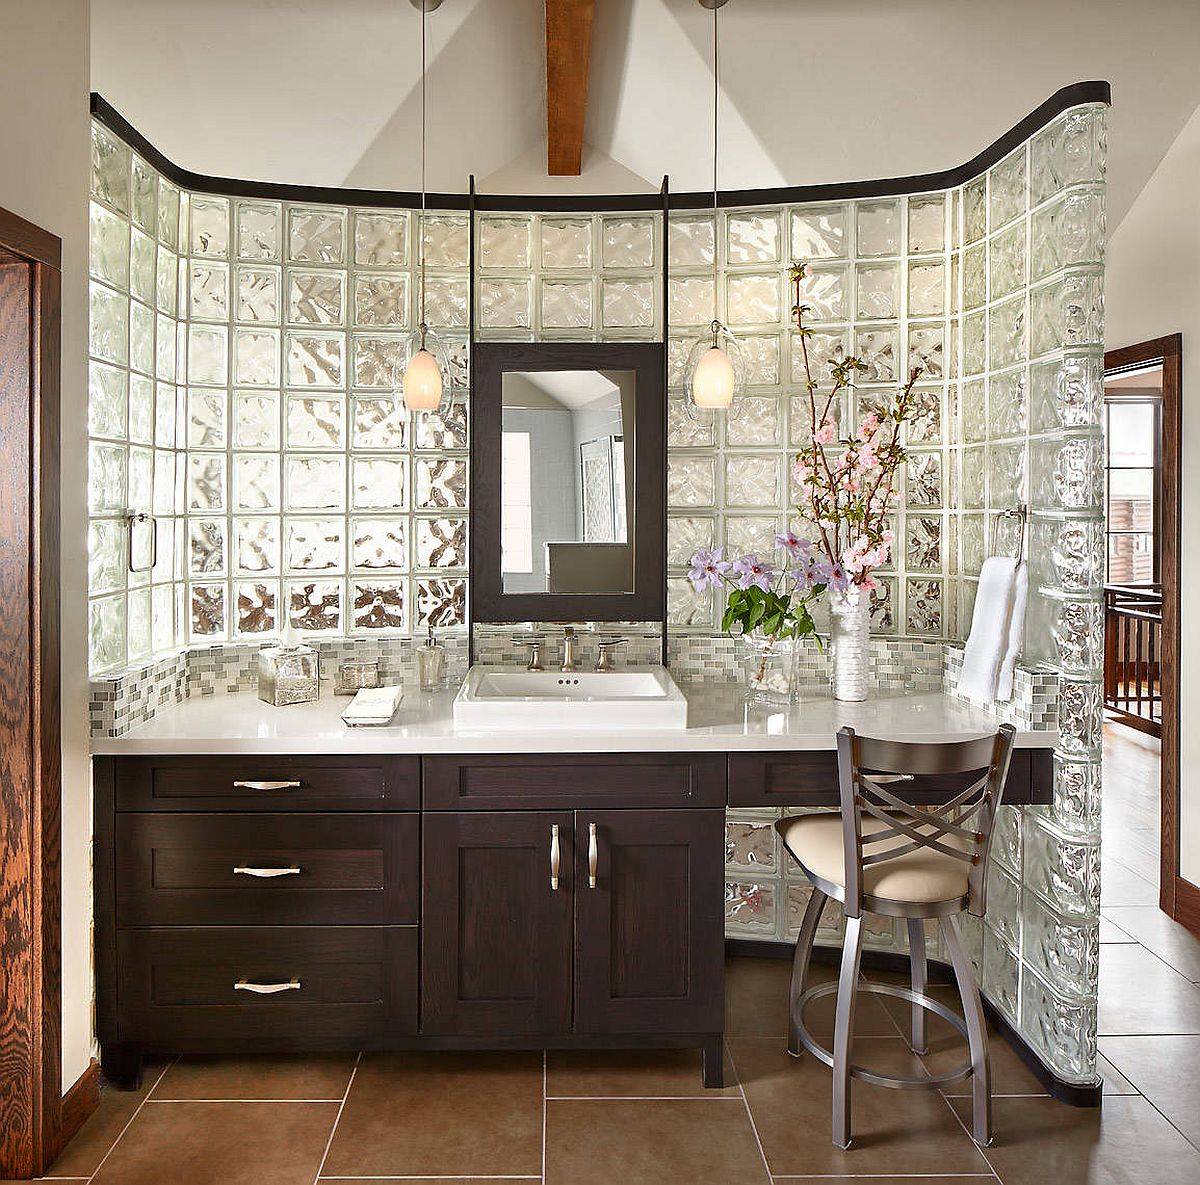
pixel 570 660
pixel 604 656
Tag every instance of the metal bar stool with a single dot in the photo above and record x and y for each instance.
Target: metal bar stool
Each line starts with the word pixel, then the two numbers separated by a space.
pixel 889 855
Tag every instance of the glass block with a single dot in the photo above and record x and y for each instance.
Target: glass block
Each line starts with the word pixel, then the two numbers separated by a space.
pixel 256 357
pixel 927 350
pixel 690 300
pixel 141 479
pixel 832 924
pixel 379 483
pixel 690 242
pixel 378 543
pixel 1069 633
pixel 686 607
pixel 974 472
pixel 761 354
pixel 825 290
pixel 106 555
pixel 257 544
pixel 141 337
pixel 878 291
pixel 206 547
pixel 923 604
pixel 316 236
pixel 925 423
pixel 381 240
pixel 168 467
pixel 878 227
pixel 445 431
pixel 1067 472
pixel 974 339
pixel 1063 1030
pixel 108 246
pixel 752 299
pixel 691 481
pixel 108 329
pixel 683 431
pixel 678 348
pixel 926 224
pixel 441 542
pixel 754 421
pixel 1068 231
pixel 378 605
pixel 207 610
pixel 445 241
pixel 750 846
pixel 206 419
pixel 752 480
pixel 878 349
pixel 258 294
pixel 315 360
pixel 1068 311
pixel 970 532
pixel 628 304
pixel 441 601
pixel 750 907
pixel 258 231
pixel 168 214
pixel 819 232
pixel 923 479
pixel 1007 327
pixel 1001 974
pixel 883 605
pixel 504 242
pixel 753 237
pixel 1067 555
pixel 256 481
pixel 379 423
pixel 1006 475
pixel 926 289
pixel 315 422
pixel 210 226
pixel 256 419
pixel 107 477
pixel 206 481
pixel 1077 797
pixel 257 607
pixel 923 543
pixel 106 633
pixel 750 535
pixel 208 287
pixel 1080 717
pixel 110 169
pixel 315 298
pixel 107 401
pixel 315 483
pixel 974 277
pixel 1008 188
pixel 162 617
pixel 1004 906
pixel 208 347
pixel 975 209
pixel 1067 393
pixel 458 362
pixel 503 304
pixel 166 284
pixel 1064 870
pixel 825 347
pixel 566 304
pixel 143 269
pixel 379 361
pixel 566 242
pixel 314 545
pixel 1070 151
pixel 381 300
pixel 446 299
pixel 315 606
pixel 627 242
pixel 1007 405
pixel 440 483
pixel 1064 951
pixel 687 534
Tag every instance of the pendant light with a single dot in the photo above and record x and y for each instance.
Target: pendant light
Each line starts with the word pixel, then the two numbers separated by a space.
pixel 716 364
pixel 422 388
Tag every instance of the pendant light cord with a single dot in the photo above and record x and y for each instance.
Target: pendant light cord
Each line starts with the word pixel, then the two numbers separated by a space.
pixel 716 325
pixel 421 229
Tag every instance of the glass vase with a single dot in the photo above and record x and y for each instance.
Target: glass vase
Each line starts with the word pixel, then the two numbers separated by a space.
pixel 769 669
pixel 849 642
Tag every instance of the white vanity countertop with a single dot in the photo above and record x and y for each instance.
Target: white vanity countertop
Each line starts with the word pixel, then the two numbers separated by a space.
pixel 719 720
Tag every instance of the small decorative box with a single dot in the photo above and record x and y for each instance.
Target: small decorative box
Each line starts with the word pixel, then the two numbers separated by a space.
pixel 288 675
pixel 357 674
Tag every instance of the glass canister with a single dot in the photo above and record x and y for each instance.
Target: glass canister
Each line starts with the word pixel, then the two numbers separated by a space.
pixel 289 673
pixel 355 674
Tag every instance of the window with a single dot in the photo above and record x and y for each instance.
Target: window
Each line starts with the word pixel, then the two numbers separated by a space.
pixel 1133 427
pixel 516 503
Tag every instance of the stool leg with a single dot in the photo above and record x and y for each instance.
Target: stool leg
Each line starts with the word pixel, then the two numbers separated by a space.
pixel 843 1030
pixel 981 1074
pixel 916 957
pixel 804 946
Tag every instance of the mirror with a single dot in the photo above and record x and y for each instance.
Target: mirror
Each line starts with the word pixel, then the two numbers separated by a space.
pixel 568 481
pixel 564 521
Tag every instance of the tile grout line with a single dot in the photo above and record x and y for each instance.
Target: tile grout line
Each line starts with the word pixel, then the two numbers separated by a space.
pixel 338 1117
pixel 726 1050
pixel 136 1113
pixel 982 1151
pixel 1154 1106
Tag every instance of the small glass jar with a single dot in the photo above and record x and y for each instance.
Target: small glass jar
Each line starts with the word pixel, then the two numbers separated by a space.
pixel 355 674
pixel 288 674
pixel 769 669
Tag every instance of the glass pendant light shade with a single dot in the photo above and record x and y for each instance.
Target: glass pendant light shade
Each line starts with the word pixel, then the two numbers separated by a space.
pixel 716 370
pixel 422 388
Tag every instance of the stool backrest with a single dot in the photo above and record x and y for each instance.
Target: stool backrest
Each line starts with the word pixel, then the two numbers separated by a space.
pixel 878 778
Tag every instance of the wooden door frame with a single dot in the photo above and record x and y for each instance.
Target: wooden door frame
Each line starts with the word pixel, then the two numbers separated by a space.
pixel 1176 897
pixel 35 1119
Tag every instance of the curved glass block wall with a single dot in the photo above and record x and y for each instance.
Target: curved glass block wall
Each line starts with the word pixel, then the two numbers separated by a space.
pixel 241 392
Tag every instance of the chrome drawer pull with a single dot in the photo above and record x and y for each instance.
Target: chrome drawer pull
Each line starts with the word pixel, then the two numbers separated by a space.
pixel 593 855
pixel 266 785
pixel 246 870
pixel 555 857
pixel 266 989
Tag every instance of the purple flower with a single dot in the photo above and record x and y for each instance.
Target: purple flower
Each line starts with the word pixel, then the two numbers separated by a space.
pixel 807 572
pixel 833 576
pixel 708 567
pixel 793 544
pixel 751 572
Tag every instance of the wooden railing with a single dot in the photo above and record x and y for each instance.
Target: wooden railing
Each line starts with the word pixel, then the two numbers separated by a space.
pixel 1132 654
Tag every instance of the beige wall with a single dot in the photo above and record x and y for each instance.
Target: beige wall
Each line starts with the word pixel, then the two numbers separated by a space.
pixel 1152 289
pixel 44 153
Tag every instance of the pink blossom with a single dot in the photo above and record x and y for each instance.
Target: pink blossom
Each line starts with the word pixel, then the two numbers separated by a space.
pixel 826 433
pixel 868 427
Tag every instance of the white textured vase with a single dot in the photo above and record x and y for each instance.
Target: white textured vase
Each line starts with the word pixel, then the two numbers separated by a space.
pixel 849 642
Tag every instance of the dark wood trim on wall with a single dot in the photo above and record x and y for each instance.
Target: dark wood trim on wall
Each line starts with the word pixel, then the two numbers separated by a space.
pixel 1176 897
pixel 32 1113
pixel 1062 99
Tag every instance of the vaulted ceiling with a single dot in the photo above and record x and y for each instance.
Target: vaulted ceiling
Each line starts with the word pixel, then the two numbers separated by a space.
pixel 325 91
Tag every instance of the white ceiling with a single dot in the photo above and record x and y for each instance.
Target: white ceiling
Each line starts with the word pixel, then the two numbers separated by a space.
pixel 325 92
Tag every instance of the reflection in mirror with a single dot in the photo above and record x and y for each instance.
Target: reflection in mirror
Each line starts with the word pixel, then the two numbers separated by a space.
pixel 566 462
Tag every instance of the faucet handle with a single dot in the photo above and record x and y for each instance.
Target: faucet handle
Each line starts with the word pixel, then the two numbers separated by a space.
pixel 605 647
pixel 533 643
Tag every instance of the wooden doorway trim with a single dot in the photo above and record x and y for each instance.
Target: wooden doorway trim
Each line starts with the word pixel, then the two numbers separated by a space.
pixel 35 1119
pixel 1176 896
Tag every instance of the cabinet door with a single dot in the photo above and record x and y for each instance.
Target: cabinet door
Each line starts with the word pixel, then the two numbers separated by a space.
pixel 495 930
pixel 649 932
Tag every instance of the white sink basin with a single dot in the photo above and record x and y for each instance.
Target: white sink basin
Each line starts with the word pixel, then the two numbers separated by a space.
pixel 636 698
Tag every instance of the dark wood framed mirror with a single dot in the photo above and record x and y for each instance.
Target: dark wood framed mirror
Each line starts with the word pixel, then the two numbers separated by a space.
pixel 568 481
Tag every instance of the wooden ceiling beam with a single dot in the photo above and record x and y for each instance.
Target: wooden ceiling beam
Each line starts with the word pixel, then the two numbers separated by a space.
pixel 568 48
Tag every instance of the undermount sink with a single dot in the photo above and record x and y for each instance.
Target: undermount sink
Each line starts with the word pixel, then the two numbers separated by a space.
pixel 637 698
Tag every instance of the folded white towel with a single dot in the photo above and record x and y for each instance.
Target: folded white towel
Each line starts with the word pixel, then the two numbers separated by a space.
pixel 1016 633
pixel 988 643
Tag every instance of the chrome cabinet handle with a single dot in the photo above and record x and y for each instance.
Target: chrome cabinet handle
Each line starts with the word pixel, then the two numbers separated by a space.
pixel 593 855
pixel 249 870
pixel 290 785
pixel 266 989
pixel 555 857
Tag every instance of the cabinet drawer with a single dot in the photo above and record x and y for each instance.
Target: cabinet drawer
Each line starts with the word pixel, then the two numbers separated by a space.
pixel 811 779
pixel 329 987
pixel 267 783
pixel 567 780
pixel 212 870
